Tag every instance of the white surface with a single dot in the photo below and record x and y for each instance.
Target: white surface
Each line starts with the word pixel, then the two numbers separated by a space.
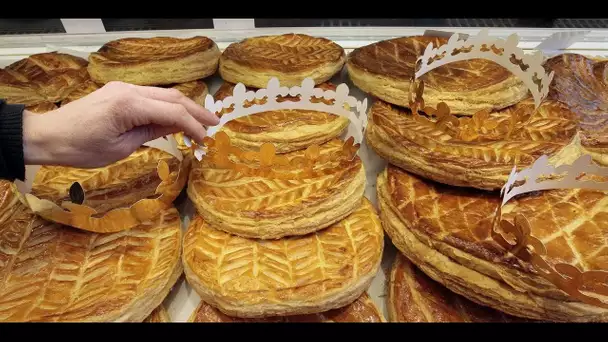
pixel 83 26
pixel 233 24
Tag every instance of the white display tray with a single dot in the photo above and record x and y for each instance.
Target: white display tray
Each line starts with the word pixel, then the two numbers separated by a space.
pixel 183 299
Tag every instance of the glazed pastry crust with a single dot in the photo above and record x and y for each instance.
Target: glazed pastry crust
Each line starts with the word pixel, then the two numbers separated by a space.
pixel 288 130
pixel 270 208
pixel 300 275
pixel 363 310
pixel 414 297
pixel 154 61
pixel 42 108
pixel 451 157
pixel 40 78
pixel 456 249
pixel 118 185
pixel 385 69
pixel 290 57
pixel 83 89
pixel 582 83
pixel 57 273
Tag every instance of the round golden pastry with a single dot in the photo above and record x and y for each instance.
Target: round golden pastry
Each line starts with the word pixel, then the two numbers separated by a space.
pixel 277 201
pixel 290 57
pixel 119 196
pixel 154 61
pixel 159 315
pixel 55 273
pixel 414 297
pixel 447 233
pixel 308 274
pixel 45 77
pixel 287 129
pixel 385 69
pixel 474 152
pixel 363 310
pixel 582 83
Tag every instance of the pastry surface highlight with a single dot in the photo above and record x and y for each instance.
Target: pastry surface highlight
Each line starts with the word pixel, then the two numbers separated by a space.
pixel 307 274
pixel 414 297
pixel 55 273
pixel 474 152
pixel 40 78
pixel 447 233
pixel 154 61
pixel 386 69
pixel 582 83
pixel 267 196
pixel 363 310
pixel 116 197
pixel 290 57
pixel 287 129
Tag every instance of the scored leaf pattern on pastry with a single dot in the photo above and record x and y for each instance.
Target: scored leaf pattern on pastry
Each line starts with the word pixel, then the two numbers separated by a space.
pixel 302 269
pixel 284 53
pixel 232 180
pixel 150 49
pixel 570 223
pixel 50 272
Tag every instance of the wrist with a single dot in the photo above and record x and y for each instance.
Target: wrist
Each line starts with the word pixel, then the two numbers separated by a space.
pixel 39 144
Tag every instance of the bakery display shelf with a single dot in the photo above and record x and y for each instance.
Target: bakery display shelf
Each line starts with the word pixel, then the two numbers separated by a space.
pixel 183 300
pixel 16 47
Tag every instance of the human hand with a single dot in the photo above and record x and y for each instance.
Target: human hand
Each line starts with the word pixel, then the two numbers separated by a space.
pixel 110 124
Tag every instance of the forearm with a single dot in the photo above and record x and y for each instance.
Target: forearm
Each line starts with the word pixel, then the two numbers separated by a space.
pixel 12 164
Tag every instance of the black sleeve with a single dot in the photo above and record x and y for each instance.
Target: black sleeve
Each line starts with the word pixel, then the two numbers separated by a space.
pixel 12 165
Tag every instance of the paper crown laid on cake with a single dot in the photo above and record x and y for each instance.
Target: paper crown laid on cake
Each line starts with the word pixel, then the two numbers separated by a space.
pixel 245 103
pixel 60 194
pixel 586 286
pixel 528 67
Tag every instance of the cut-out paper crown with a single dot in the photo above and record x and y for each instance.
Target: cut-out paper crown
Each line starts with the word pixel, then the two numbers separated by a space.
pixel 241 104
pixel 516 237
pixel 528 67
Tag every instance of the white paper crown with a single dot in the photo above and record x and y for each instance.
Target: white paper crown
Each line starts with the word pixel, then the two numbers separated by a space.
pixel 344 105
pixel 535 177
pixel 528 67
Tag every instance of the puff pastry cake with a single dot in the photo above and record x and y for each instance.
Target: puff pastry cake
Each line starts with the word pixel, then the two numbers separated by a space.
pixel 414 297
pixel 295 194
pixel 118 185
pixel 288 129
pixel 290 57
pixel 154 61
pixel 363 310
pixel 50 272
pixel 582 83
pixel 46 77
pixel 474 152
pixel 385 69
pixel 308 274
pixel 447 233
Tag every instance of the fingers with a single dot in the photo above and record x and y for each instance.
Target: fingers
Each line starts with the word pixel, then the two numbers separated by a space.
pixel 142 134
pixel 173 116
pixel 201 114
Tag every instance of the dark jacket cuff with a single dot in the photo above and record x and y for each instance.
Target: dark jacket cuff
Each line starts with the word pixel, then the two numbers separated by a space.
pixel 11 141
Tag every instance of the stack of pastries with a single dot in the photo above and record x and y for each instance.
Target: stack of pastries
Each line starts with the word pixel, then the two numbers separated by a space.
pixel 452 139
pixel 284 234
pixel 101 244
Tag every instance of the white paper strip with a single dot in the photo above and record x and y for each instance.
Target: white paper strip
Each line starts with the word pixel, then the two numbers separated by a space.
pixel 555 43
